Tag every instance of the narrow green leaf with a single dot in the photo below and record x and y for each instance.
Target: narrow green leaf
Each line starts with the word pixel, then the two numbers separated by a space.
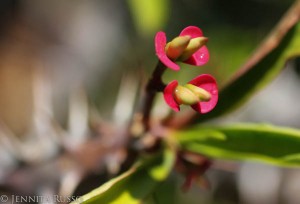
pixel 160 172
pixel 264 143
pixel 265 64
pixel 134 185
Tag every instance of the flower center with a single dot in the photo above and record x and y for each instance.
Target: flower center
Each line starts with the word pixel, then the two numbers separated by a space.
pixel 176 47
pixel 194 45
pixel 183 47
pixel 190 94
pixel 202 94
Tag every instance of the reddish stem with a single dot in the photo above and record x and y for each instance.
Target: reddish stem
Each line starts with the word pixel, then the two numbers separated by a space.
pixel 154 85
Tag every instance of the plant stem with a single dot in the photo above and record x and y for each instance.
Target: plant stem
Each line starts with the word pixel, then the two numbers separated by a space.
pixel 154 85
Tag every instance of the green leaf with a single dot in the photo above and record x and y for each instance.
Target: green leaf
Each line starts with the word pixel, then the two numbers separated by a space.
pixel 166 192
pixel 264 143
pixel 136 184
pixel 265 64
pixel 161 171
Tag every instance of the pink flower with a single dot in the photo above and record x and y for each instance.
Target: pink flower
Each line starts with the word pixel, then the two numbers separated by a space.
pixel 201 93
pixel 198 58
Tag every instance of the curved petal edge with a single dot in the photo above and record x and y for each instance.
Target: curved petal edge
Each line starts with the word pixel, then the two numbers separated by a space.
pixel 160 44
pixel 207 82
pixel 169 97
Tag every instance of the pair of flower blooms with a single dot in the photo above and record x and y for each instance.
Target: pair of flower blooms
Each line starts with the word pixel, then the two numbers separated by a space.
pixel 201 93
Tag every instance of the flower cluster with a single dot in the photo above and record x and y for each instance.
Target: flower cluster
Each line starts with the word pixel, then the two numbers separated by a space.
pixel 201 93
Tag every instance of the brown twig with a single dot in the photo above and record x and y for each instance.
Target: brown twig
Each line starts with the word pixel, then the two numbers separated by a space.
pixel 154 85
pixel 291 17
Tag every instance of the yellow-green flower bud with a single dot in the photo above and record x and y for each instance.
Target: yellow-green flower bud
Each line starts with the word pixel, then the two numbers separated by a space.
pixel 185 96
pixel 194 45
pixel 175 48
pixel 202 94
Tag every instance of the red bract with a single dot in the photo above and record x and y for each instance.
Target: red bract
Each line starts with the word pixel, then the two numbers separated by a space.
pixel 199 58
pixel 204 81
pixel 169 95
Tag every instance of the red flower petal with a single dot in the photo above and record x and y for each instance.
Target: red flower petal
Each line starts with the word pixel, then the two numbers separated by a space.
pixel 207 82
pixel 200 57
pixel 160 44
pixel 192 31
pixel 168 95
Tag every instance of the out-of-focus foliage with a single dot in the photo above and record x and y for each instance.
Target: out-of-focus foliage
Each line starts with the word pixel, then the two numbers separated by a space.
pixel 265 143
pixel 136 184
pixel 149 16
